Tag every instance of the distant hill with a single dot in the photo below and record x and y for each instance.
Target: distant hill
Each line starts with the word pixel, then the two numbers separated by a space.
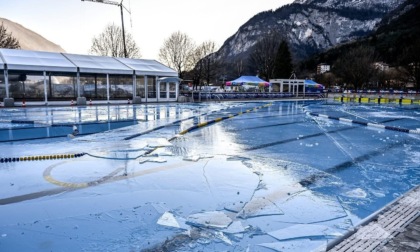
pixel 28 39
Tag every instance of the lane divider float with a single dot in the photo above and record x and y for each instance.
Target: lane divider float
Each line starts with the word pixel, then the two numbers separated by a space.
pixel 375 125
pixel 40 157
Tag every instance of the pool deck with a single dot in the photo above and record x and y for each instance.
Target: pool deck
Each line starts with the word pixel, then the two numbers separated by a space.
pixel 396 227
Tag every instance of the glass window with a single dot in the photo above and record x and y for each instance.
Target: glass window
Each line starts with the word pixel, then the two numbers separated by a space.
pixel 87 86
pixel 2 86
pixel 29 85
pixel 62 86
pixel 162 90
pixel 101 87
pixel 151 87
pixel 121 86
pixel 92 86
pixel 140 87
pixel 172 90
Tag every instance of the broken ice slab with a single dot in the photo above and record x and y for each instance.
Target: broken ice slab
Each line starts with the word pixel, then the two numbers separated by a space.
pixel 237 158
pixel 164 153
pixel 297 245
pixel 195 158
pixel 169 220
pixel 234 206
pixel 304 231
pixel 206 156
pixel 356 193
pixel 221 236
pixel 153 160
pixel 307 207
pixel 191 158
pixel 259 207
pixel 214 219
pixel 158 142
pixel 235 227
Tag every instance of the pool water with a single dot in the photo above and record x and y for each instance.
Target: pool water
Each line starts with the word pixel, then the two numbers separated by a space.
pixel 242 176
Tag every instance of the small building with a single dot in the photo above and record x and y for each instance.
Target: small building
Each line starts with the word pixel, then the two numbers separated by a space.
pixel 51 76
pixel 295 86
pixel 322 68
pixel 381 66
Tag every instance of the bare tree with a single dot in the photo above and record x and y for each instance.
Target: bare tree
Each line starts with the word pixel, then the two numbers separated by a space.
pixel 177 51
pixel 356 66
pixel 328 79
pixel 410 60
pixel 205 63
pixel 263 57
pixel 110 43
pixel 7 40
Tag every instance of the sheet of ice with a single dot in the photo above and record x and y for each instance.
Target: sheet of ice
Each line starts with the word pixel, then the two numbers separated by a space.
pixel 306 207
pixel 213 219
pixel 259 207
pixel 235 227
pixel 298 245
pixel 169 220
pixel 123 210
pixel 152 159
pixel 191 158
pixel 304 231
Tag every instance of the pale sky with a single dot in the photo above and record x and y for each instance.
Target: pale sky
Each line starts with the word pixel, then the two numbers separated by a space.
pixel 72 23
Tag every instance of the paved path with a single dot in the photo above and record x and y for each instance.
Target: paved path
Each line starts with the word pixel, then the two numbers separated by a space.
pixel 395 228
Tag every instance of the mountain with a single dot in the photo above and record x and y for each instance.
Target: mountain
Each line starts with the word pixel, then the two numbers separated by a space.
pixel 398 32
pixel 309 26
pixel 28 39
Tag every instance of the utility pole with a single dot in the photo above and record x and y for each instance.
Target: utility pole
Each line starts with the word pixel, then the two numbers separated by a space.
pixel 122 17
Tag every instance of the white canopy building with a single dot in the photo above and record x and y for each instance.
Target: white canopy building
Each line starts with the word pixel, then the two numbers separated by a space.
pixel 50 76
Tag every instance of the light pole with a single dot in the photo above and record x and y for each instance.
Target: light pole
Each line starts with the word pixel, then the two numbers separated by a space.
pixel 122 17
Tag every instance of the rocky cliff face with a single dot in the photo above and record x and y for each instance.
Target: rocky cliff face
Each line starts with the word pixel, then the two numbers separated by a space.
pixel 310 26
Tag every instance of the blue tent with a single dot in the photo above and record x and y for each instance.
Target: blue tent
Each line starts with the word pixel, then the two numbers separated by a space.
pixel 312 86
pixel 248 80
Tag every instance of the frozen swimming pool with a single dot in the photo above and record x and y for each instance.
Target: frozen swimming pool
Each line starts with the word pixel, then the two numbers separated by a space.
pixel 259 176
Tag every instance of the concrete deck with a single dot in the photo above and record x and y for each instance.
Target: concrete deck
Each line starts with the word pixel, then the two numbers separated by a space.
pixel 394 228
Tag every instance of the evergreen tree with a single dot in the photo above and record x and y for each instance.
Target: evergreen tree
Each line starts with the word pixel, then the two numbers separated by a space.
pixel 7 40
pixel 283 66
pixel 263 55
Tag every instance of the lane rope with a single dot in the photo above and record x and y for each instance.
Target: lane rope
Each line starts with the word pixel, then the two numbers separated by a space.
pixel 40 157
pixel 375 125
